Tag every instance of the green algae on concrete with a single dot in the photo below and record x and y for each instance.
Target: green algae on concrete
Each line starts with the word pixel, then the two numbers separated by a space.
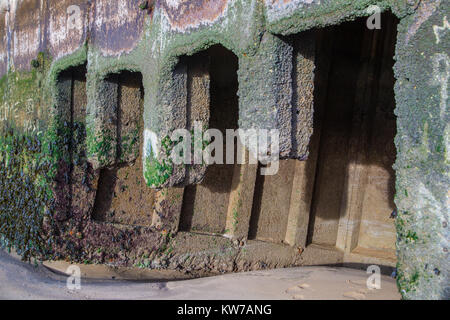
pixel 28 167
pixel 31 154
pixel 249 29
pixel 293 19
pixel 156 172
pixel 422 167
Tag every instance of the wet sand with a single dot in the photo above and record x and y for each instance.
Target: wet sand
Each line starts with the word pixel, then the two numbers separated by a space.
pixel 19 280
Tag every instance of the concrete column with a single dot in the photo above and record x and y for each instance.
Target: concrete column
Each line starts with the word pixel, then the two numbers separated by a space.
pixel 164 111
pixel 265 90
pixel 303 104
pixel 300 205
pixel 101 121
pixel 241 201
pixel 303 77
pixel 167 209
pixel 182 98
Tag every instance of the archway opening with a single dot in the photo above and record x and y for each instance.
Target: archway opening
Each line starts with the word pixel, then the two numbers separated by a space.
pixel 205 206
pixel 75 177
pixel 122 194
pixel 343 195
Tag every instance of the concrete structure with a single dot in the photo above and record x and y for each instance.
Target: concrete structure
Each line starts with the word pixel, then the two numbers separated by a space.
pixel 26 281
pixel 92 90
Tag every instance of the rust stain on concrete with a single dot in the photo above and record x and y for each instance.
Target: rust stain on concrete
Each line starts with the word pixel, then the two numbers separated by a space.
pixel 283 3
pixel 3 45
pixel 26 24
pixel 117 25
pixel 66 26
pixel 185 14
pixel 278 2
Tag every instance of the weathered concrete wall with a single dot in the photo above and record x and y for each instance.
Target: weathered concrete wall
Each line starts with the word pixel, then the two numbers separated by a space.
pixel 422 72
pixel 40 39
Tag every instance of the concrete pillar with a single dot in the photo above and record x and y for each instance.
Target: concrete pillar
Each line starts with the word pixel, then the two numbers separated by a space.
pixel 101 121
pixel 265 90
pixel 241 201
pixel 300 205
pixel 303 105
pixel 182 100
pixel 165 111
pixel 167 209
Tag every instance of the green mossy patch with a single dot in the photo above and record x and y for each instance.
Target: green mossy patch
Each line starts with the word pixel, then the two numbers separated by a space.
pixel 101 145
pixel 23 102
pixel 327 13
pixel 129 147
pixel 34 142
pixel 28 166
pixel 156 173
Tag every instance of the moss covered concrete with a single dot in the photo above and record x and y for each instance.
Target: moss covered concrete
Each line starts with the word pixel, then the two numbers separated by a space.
pixel 422 72
pixel 253 30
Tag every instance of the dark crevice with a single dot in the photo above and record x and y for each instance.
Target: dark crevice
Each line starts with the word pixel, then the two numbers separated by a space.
pixel 122 195
pixel 205 205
